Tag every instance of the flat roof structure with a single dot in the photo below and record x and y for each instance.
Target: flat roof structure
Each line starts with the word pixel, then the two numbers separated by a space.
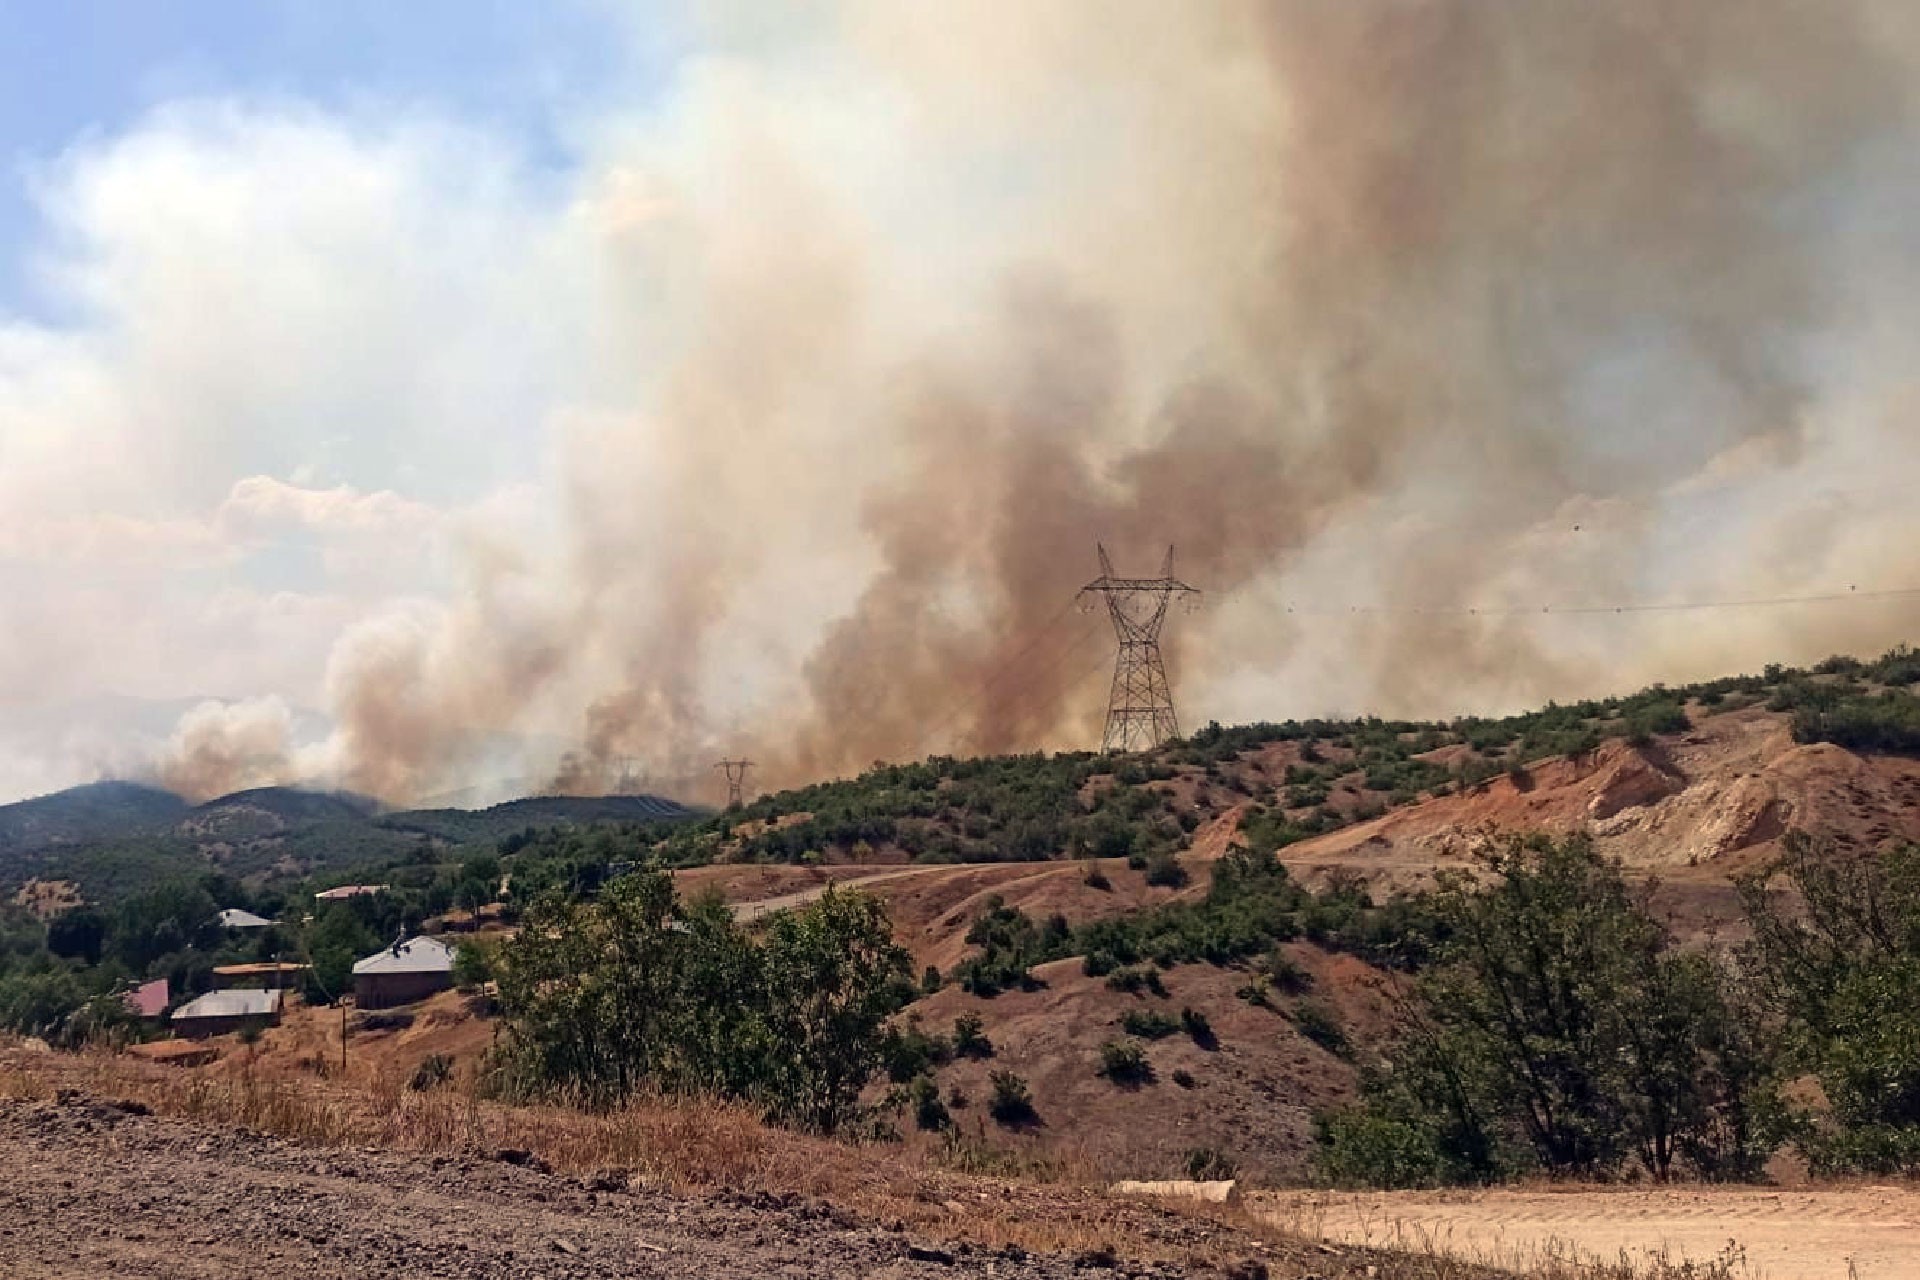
pixel 234 918
pixel 230 1004
pixel 415 955
pixel 348 891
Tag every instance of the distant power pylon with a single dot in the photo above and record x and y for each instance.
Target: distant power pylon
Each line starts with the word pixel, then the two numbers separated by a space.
pixel 1140 708
pixel 736 780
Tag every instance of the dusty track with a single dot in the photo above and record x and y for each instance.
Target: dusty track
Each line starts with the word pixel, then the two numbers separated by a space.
pixel 745 911
pixel 1785 1235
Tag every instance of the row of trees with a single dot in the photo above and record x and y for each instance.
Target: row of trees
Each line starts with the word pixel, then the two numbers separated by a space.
pixel 634 991
pixel 1562 1029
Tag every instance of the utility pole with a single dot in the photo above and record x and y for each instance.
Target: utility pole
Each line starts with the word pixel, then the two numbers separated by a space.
pixel 1140 708
pixel 736 771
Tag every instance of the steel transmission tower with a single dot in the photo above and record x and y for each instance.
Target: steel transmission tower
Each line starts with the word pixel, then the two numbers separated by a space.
pixel 1140 708
pixel 736 771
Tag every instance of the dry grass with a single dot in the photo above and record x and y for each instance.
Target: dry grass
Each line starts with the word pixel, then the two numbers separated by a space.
pixel 971 1190
pixel 1551 1259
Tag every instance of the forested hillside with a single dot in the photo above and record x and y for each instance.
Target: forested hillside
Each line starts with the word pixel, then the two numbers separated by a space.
pixel 115 838
pixel 1292 781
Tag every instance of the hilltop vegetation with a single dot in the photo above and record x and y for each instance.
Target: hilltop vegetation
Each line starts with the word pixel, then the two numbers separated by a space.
pixel 96 811
pixel 1296 779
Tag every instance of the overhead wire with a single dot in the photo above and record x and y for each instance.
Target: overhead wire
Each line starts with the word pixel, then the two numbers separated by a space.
pixel 1851 594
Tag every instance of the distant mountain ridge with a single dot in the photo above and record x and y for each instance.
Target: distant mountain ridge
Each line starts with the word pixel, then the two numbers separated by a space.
pixel 117 837
pixel 93 811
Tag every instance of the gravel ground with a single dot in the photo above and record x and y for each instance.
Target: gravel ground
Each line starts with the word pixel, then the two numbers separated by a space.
pixel 92 1187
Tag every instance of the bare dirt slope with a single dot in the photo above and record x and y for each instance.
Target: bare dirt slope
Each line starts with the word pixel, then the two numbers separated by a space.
pixel 1868 1233
pixel 1701 805
pixel 1247 1091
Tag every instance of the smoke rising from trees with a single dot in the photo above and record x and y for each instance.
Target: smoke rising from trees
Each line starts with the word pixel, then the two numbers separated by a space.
pixel 847 349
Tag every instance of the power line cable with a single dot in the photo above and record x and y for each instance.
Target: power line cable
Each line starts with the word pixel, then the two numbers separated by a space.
pixel 1851 595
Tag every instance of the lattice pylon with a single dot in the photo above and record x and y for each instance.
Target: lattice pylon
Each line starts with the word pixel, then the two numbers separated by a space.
pixel 736 771
pixel 1140 712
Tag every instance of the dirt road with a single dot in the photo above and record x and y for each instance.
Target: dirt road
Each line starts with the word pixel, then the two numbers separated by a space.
pixel 748 911
pixel 1784 1235
pixel 88 1189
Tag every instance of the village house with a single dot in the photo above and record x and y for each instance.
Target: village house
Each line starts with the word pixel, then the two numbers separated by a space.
pixel 235 918
pixel 402 973
pixel 279 974
pixel 219 1012
pixel 149 999
pixel 345 891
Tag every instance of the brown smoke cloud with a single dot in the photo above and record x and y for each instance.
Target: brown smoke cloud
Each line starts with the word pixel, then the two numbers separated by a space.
pixel 1350 302
pixel 220 748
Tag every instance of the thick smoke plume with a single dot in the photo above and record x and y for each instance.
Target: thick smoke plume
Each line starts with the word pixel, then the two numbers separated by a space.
pixel 1422 303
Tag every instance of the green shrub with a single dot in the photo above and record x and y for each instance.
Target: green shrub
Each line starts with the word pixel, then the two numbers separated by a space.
pixel 910 1052
pixel 1658 718
pixel 1287 974
pixel 1318 1023
pixel 1841 972
pixel 1361 1147
pixel 1012 1103
pixel 1125 1064
pixel 1900 667
pixel 472 965
pixel 1559 1031
pixel 1135 978
pixel 1183 1078
pixel 1887 722
pixel 1166 872
pixel 1148 1024
pixel 970 1037
pixel 930 1114
pixel 1198 1029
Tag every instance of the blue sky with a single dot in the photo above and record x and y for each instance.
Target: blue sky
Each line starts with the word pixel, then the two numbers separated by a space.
pixel 74 70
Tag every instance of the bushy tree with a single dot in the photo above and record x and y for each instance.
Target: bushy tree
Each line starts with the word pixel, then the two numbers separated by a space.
pixel 1841 972
pixel 633 990
pixel 78 933
pixel 1560 1030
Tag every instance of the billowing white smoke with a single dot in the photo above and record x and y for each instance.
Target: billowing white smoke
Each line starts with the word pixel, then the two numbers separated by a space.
pixel 793 417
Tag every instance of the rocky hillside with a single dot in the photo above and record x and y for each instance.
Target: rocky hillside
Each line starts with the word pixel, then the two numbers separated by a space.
pixel 1694 786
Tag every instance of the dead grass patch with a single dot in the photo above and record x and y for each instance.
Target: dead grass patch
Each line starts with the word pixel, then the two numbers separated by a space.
pixel 975 1192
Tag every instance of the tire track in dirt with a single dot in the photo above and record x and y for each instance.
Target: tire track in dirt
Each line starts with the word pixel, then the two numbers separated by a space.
pixel 746 912
pixel 1872 1233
